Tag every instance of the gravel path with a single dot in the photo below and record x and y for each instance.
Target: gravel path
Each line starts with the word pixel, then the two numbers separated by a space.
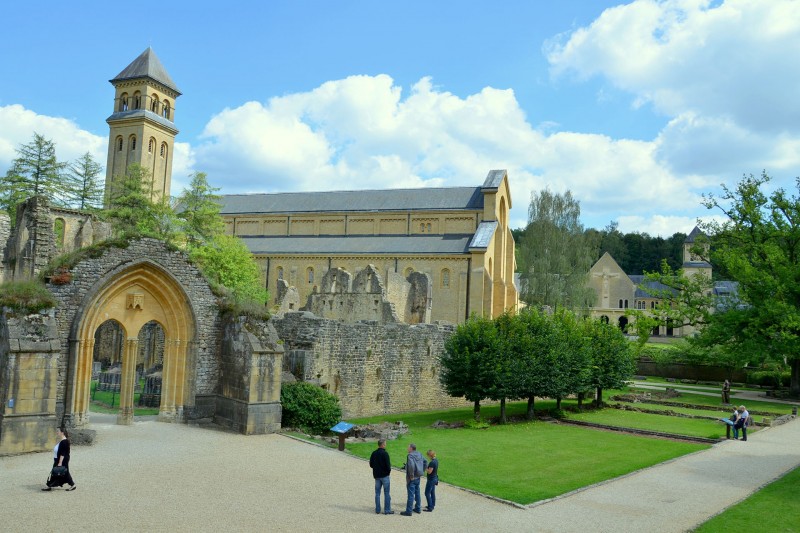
pixel 172 477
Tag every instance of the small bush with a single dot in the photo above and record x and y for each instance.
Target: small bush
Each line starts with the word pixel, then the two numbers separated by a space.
pixel 309 407
pixel 769 378
pixel 26 296
pixel 471 423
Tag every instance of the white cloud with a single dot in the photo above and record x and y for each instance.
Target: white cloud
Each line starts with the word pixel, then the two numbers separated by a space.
pixel 19 125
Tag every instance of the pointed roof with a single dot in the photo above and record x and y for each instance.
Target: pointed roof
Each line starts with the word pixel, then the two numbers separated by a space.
pixel 696 232
pixel 147 65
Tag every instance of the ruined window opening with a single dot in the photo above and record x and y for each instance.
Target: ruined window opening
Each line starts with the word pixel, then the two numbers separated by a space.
pixel 58 230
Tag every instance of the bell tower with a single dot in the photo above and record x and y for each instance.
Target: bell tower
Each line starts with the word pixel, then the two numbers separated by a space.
pixel 142 128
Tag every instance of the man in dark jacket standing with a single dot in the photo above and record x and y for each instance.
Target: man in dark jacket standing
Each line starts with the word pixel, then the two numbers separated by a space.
pixel 414 469
pixel 381 471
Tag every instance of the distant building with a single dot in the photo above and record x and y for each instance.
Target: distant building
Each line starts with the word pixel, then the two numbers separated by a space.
pixel 617 292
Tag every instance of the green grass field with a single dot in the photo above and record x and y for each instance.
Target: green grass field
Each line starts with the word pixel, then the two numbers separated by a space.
pixel 527 461
pixel 108 402
pixel 775 508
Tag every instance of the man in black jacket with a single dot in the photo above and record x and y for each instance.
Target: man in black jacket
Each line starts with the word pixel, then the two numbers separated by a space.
pixel 381 471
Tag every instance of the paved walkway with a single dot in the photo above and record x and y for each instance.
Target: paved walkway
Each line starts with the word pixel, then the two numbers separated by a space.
pixel 170 477
pixel 737 396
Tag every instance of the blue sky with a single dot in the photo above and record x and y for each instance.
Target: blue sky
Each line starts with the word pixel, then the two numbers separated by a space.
pixel 638 108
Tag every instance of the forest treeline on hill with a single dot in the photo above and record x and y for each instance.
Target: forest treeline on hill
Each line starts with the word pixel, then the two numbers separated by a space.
pixel 636 253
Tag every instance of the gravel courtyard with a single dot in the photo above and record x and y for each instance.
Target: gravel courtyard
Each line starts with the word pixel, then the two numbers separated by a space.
pixel 170 477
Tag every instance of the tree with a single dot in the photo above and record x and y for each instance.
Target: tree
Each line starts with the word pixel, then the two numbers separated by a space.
pixel 555 253
pixel 35 171
pixel 226 261
pixel 468 362
pixel 566 363
pixel 533 346
pixel 759 245
pixel 86 188
pixel 134 214
pixel 611 356
pixel 200 211
pixel 510 349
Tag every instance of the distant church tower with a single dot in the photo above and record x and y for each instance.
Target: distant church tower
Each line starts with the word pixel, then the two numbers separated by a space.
pixel 142 128
pixel 693 264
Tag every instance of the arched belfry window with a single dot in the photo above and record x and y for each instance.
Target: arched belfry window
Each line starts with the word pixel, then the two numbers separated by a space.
pixel 119 144
pixel 137 100
pixel 154 104
pixel 163 149
pixel 123 102
pixel 132 143
pixel 165 109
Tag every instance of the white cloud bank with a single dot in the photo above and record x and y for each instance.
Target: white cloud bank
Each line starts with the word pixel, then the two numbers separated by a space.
pixel 722 74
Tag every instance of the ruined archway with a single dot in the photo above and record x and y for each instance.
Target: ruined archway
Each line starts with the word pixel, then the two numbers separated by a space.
pixel 134 296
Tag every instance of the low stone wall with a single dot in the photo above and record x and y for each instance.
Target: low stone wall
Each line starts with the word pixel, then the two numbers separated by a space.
pixel 373 368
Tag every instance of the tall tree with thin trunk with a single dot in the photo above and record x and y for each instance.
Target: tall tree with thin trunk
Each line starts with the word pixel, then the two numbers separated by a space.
pixel 555 253
pixel 35 171
pixel 86 188
pixel 199 210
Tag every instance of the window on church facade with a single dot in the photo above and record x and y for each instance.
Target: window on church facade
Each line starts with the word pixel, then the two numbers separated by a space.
pixel 154 104
pixel 445 278
pixel 165 110
pixel 310 274
pixel 137 100
pixel 133 143
pixel 163 149
pixel 123 102
pixel 280 272
pixel 151 145
pixel 119 144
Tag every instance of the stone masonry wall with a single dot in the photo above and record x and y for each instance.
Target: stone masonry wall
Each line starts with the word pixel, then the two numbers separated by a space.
pixel 90 275
pixel 28 376
pixel 373 368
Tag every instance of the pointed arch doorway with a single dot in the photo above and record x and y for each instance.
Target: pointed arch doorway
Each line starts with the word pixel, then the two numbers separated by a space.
pixel 135 297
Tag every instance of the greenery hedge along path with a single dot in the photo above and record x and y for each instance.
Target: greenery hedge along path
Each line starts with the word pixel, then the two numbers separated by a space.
pixel 770 509
pixel 523 462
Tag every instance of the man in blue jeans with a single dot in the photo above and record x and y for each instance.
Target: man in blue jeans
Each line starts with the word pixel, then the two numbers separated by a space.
pixel 382 472
pixel 414 470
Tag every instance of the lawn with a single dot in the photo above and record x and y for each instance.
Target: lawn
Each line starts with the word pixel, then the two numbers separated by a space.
pixel 694 427
pixel 108 402
pixel 527 461
pixel 770 509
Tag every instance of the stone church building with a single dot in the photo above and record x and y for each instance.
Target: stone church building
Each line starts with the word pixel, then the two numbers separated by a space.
pixel 617 292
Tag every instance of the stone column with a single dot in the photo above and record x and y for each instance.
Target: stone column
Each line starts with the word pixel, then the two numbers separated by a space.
pixel 83 382
pixel 127 382
pixel 166 412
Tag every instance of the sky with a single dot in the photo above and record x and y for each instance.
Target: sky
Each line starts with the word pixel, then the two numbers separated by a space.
pixel 637 108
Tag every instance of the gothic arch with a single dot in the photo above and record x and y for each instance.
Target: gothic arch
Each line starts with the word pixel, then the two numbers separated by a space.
pixel 134 295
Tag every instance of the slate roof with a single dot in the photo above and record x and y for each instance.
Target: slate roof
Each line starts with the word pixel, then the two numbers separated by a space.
pixel 138 113
pixel 494 179
pixel 696 264
pixel 358 244
pixel 483 235
pixel 638 279
pixel 147 65
pixel 693 235
pixel 423 199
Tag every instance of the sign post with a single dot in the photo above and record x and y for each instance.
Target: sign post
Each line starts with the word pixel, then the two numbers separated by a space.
pixel 342 428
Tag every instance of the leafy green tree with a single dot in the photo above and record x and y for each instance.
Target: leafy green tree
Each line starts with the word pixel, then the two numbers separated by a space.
pixel 227 262
pixel 533 346
pixel 555 254
pixel 567 361
pixel 133 213
pixel 200 211
pixel 759 245
pixel 612 360
pixel 35 171
pixel 86 191
pixel 509 350
pixel 468 362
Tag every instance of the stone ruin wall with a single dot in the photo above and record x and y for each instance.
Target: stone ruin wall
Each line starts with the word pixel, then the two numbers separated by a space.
pixel 85 278
pixel 373 368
